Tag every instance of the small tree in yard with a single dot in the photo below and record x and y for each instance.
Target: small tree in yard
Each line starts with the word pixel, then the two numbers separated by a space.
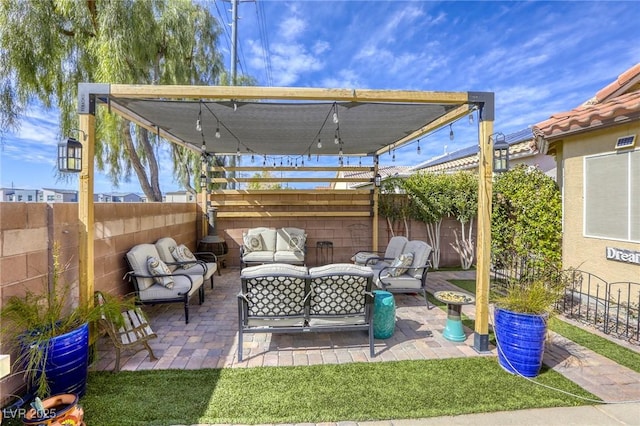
pixel 394 205
pixel 464 206
pixel 431 201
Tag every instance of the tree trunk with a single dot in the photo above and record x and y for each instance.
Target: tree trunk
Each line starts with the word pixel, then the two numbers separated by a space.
pixel 150 187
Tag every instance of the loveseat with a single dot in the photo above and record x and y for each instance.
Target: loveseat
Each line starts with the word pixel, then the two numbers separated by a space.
pixel 282 298
pixel 271 245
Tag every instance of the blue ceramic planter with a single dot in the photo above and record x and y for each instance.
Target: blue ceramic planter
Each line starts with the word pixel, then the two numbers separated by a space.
pixel 521 339
pixel 67 362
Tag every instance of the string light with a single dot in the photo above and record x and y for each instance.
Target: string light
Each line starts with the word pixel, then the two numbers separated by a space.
pixel 198 121
pixel 319 143
pixel 394 156
pixel 451 132
pixel 471 118
pixel 253 158
pixel 336 139
pixel 418 149
pixel 238 152
pixel 218 130
pixel 336 120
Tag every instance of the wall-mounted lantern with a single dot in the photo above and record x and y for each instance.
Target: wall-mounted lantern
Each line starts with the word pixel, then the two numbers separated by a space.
pixel 377 180
pixel 70 155
pixel 500 153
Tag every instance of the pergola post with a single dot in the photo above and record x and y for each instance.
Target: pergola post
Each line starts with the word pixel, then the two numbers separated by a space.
pixel 376 196
pixel 485 195
pixel 87 93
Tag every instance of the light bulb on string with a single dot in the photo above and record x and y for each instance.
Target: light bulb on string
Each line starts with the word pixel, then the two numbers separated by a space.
pixel 336 120
pixel 218 131
pixel 471 118
pixel 238 152
pixel 319 143
pixel 393 158
pixel 198 125
pixel 309 156
pixel 336 140
pixel 253 158
pixel 451 132
pixel 418 150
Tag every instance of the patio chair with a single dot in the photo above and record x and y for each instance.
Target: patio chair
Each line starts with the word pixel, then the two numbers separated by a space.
pixel 407 278
pixel 134 333
pixel 167 249
pixel 153 287
pixel 378 260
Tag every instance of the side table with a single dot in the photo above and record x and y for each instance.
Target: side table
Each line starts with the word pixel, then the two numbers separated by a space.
pixel 384 314
pixel 453 330
pixel 324 250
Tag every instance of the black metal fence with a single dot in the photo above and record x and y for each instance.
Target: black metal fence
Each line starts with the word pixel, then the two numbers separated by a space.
pixel 612 308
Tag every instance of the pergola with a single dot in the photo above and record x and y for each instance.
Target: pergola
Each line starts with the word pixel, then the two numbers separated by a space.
pixel 294 123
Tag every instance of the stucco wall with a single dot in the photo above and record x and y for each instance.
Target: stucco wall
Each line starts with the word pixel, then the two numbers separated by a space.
pixel 588 253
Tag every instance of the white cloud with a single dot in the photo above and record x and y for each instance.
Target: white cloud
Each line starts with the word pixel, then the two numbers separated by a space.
pixel 292 27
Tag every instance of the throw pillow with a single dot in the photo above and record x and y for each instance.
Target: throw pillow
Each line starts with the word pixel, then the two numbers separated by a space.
pixel 252 242
pixel 183 254
pixel 158 267
pixel 297 241
pixel 401 264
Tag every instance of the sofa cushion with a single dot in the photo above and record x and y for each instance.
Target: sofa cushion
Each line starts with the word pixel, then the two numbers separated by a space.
pixel 165 246
pixel 400 264
pixel 289 257
pixel 157 268
pixel 252 242
pixel 258 256
pixel 273 269
pixel 290 239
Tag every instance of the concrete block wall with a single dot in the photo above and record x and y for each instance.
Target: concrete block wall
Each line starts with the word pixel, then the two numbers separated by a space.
pixel 341 231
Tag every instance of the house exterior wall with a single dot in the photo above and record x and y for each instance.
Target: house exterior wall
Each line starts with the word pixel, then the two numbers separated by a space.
pixel 580 251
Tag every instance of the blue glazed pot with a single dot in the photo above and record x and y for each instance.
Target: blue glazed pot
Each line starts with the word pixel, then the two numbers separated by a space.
pixel 67 362
pixel 520 338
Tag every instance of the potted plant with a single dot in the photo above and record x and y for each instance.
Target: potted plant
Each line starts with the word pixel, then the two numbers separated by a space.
pixel 50 333
pixel 520 321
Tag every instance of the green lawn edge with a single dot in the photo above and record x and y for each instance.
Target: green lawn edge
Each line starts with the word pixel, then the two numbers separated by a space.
pixel 320 393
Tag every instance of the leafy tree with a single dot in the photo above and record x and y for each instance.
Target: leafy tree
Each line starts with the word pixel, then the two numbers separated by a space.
pixel 526 218
pixel 464 207
pixel 394 205
pixel 48 47
pixel 431 198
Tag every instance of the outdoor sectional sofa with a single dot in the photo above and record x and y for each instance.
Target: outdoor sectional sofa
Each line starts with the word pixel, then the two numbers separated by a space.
pixel 282 298
pixel 270 245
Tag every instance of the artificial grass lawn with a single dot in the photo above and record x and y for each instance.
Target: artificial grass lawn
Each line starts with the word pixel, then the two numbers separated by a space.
pixel 321 393
pixel 618 354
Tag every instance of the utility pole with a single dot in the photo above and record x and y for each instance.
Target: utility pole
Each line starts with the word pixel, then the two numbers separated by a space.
pixel 234 42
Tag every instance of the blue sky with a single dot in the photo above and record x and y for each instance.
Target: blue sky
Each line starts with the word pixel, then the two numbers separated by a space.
pixel 539 58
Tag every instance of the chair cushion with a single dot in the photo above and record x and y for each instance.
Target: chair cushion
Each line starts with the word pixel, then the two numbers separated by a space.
pixel 165 246
pixel 395 247
pixel 404 281
pixel 421 252
pixel 137 258
pixel 181 286
pixel 158 267
pixel 182 253
pixel 400 264
pixel 363 258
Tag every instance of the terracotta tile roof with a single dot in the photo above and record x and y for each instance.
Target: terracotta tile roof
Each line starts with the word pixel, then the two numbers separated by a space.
pixel 618 102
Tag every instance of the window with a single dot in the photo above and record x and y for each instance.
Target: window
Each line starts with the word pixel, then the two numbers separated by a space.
pixel 612 196
pixel 51 198
pixel 30 197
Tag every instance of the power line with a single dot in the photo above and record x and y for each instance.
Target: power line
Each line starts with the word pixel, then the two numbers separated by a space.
pixel 264 41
